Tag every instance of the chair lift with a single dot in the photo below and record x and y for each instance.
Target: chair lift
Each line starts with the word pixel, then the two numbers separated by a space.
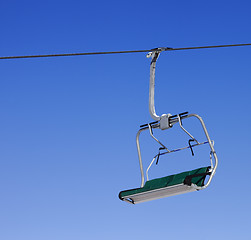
pixel 184 182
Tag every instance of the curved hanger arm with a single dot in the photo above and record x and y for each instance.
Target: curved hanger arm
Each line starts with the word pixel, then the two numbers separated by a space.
pixel 152 111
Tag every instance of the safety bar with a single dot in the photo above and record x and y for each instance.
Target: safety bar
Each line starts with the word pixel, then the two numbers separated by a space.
pixel 175 150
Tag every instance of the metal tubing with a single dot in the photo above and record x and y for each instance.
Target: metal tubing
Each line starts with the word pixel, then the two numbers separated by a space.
pixel 139 154
pixel 153 114
pixel 210 142
pixel 140 159
pixel 175 150
pixel 151 133
pixel 212 150
pixel 190 135
pixel 149 167
pixel 179 149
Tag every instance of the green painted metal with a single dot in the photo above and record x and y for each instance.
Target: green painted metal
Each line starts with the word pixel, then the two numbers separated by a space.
pixel 168 181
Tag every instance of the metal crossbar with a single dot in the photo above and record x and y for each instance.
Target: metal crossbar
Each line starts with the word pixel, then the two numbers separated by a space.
pixel 175 150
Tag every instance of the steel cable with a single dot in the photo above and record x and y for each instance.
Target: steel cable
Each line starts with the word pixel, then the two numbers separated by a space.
pixel 120 52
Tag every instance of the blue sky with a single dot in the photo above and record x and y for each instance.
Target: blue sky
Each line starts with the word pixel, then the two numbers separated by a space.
pixel 68 125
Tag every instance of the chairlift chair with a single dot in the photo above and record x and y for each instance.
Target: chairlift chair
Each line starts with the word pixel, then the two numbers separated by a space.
pixel 180 183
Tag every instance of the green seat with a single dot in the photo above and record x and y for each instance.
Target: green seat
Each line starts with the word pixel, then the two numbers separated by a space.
pixel 165 186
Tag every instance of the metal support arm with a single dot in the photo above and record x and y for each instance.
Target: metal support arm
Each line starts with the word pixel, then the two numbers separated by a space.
pixel 164 118
pixel 152 111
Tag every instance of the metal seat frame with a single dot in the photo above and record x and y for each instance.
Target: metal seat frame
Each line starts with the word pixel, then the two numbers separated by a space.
pixel 163 122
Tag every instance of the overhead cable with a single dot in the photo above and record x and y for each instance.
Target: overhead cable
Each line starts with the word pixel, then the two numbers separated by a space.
pixel 120 52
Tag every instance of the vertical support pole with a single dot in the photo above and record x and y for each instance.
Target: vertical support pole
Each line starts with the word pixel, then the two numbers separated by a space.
pixel 140 158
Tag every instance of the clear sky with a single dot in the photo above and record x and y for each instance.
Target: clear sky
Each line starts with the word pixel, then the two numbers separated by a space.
pixel 68 125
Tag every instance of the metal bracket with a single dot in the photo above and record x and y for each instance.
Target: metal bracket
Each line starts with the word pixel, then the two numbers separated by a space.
pixel 164 121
